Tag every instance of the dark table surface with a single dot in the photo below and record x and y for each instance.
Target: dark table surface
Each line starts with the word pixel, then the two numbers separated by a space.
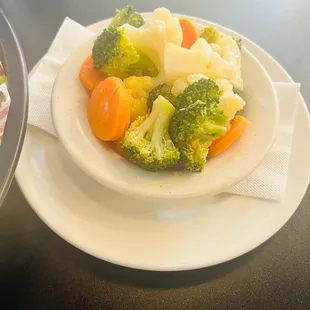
pixel 38 270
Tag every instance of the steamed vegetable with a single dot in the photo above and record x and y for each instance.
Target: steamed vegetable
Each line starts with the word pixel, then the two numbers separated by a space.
pixel 230 103
pixel 216 48
pixel 139 88
pixel 230 50
pixel 197 122
pixel 213 54
pixel 203 90
pixel 115 55
pixel 210 34
pixel 147 142
pixel 152 37
pixel 220 145
pixel 109 109
pixel 224 85
pixel 192 130
pixel 127 15
pixel 189 32
pixel 89 76
pixel 180 62
pixel 181 83
pixel 230 62
pixel 190 85
pixel 163 90
pixel 201 59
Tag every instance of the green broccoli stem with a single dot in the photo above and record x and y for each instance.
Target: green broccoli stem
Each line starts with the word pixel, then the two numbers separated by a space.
pixel 164 112
pixel 147 142
pixel 210 131
pixel 160 110
pixel 146 127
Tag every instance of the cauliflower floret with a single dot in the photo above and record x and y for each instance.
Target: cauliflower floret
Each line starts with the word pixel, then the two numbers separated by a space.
pixel 152 37
pixel 178 86
pixel 139 88
pixel 181 62
pixel 192 78
pixel 230 50
pixel 216 48
pixel 237 81
pixel 231 54
pixel 224 85
pixel 181 83
pixel 200 58
pixel 219 68
pixel 230 104
pixel 222 69
pixel 201 47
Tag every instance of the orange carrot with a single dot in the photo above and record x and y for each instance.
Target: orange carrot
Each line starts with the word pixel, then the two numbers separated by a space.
pixel 89 92
pixel 89 76
pixel 221 144
pixel 109 109
pixel 190 34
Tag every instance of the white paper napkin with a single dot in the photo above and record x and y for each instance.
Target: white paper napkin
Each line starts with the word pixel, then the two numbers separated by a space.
pixel 268 181
pixel 70 36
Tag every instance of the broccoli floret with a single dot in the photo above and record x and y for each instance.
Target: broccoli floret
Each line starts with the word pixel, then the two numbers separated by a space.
pixel 147 142
pixel 192 130
pixel 204 89
pixel 144 66
pixel 238 41
pixel 127 15
pixel 115 55
pixel 163 90
pixel 210 34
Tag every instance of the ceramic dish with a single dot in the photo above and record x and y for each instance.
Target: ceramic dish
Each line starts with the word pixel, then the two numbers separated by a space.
pixel 157 235
pixel 69 112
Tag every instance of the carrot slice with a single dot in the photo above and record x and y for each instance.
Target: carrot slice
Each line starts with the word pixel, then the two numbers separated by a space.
pixel 221 144
pixel 109 109
pixel 190 34
pixel 89 92
pixel 89 76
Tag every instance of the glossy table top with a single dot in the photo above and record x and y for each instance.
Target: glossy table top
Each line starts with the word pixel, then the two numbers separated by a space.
pixel 38 270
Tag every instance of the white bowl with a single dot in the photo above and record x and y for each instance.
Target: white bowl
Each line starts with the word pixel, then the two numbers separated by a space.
pixel 69 112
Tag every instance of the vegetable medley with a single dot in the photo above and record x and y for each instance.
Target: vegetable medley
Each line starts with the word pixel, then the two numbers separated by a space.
pixel 164 92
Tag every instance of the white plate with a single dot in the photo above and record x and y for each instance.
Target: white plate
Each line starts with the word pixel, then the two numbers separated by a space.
pixel 157 236
pixel 69 112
